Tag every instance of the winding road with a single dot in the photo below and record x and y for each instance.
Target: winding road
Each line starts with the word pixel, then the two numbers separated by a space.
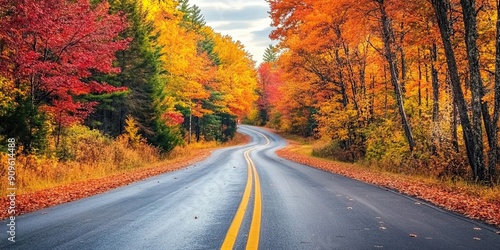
pixel 247 197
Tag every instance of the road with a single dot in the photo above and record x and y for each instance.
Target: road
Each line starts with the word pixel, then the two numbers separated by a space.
pixel 243 197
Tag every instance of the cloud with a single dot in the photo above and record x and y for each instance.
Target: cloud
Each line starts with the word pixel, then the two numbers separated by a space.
pixel 245 21
pixel 248 13
pixel 263 33
pixel 228 4
pixel 234 25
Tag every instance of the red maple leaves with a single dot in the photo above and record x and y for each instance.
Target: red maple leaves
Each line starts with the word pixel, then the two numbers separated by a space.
pixel 270 80
pixel 51 48
pixel 172 118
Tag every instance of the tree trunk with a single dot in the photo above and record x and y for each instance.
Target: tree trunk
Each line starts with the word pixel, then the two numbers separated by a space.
pixel 435 85
pixel 389 55
pixel 403 70
pixel 426 89
pixel 386 93
pixel 454 129
pixel 372 104
pixel 474 155
pixel 469 13
pixel 197 129
pixel 351 78
pixel 403 59
pixel 493 154
pixel 343 89
pixel 420 79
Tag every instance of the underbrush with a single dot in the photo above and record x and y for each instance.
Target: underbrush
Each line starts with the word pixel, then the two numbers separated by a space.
pixel 333 150
pixel 442 163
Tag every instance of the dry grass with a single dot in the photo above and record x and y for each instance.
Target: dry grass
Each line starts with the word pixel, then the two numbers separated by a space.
pixel 91 160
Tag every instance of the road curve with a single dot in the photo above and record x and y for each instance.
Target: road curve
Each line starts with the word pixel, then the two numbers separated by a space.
pixel 300 208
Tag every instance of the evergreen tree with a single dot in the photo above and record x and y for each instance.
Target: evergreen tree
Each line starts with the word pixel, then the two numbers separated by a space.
pixel 192 19
pixel 270 54
pixel 141 72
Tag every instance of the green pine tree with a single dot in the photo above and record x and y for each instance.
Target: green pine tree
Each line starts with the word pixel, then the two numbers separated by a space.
pixel 142 73
pixel 270 54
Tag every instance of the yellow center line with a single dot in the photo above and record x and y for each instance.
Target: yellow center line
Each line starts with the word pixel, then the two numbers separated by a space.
pixel 232 233
pixel 254 233
pixel 253 236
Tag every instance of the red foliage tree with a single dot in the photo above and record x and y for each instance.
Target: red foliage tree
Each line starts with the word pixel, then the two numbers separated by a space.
pixel 270 81
pixel 269 84
pixel 51 48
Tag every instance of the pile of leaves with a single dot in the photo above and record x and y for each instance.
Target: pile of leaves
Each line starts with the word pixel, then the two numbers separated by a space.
pixel 451 198
pixel 30 202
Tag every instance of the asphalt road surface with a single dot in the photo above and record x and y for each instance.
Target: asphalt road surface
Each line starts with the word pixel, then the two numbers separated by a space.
pixel 244 197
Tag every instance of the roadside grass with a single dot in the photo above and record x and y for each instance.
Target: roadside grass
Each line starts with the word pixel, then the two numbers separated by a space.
pixel 473 200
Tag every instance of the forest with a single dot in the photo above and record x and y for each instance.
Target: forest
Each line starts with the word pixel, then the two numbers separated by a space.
pixel 412 86
pixel 89 86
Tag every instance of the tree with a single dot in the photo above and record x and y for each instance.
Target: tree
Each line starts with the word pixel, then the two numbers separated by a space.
pixel 146 75
pixel 270 54
pixel 269 95
pixel 389 54
pixel 472 142
pixel 207 75
pixel 494 154
pixel 236 78
pixel 341 58
pixel 192 18
pixel 50 49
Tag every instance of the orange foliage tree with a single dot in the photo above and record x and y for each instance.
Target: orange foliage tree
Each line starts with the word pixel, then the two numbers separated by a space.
pixel 210 78
pixel 429 67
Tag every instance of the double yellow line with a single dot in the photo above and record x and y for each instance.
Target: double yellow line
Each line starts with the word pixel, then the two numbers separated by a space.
pixel 254 233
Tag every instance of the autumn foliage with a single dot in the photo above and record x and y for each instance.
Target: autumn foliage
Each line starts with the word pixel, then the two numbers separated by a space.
pixel 90 89
pixel 50 48
pixel 98 62
pixel 410 85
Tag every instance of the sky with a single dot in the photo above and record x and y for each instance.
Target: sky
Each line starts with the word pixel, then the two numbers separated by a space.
pixel 246 21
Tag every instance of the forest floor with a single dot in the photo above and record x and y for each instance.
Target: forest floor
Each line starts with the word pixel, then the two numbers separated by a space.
pixel 33 201
pixel 475 202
